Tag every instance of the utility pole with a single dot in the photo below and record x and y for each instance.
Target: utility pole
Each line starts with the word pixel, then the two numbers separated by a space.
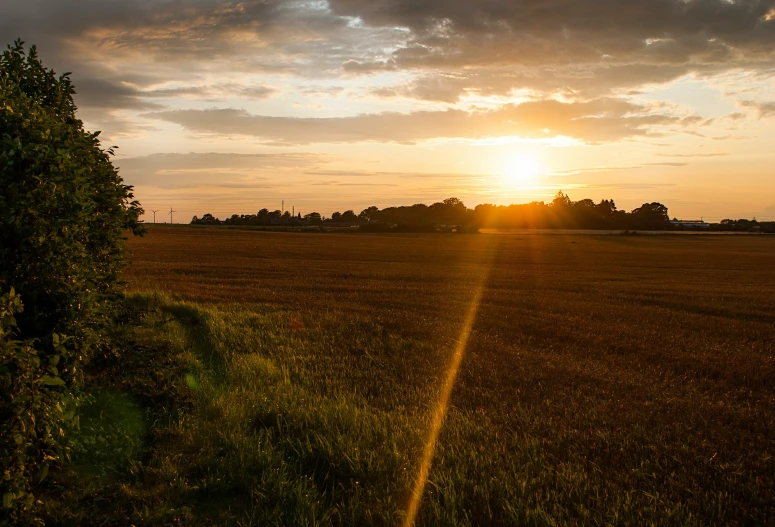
pixel 171 211
pixel 154 215
pixel 283 207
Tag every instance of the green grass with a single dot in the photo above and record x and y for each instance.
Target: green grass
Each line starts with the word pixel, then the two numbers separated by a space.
pixel 251 415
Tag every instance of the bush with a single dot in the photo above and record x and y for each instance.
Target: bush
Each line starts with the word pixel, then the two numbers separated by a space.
pixel 32 412
pixel 63 207
pixel 63 212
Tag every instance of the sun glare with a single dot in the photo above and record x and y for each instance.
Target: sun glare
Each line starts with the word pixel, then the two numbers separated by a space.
pixel 522 170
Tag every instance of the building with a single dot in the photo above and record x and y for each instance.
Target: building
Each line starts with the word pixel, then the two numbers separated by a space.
pixel 690 224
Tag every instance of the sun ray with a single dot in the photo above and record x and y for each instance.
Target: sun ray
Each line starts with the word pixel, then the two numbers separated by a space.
pixel 442 406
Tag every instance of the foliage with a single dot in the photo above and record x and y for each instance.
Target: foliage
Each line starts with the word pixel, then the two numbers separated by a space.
pixel 743 225
pixel 561 213
pixel 63 212
pixel 32 412
pixel 64 207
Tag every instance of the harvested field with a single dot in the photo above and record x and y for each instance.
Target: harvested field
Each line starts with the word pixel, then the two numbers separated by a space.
pixel 607 379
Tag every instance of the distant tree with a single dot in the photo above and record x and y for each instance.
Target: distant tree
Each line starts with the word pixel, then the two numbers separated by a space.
pixel 451 211
pixel 369 214
pixel 584 204
pixel 561 200
pixel 650 216
pixel 582 214
pixel 562 212
pixel 313 218
pixel 606 207
pixel 348 215
pixel 209 219
pixel 562 215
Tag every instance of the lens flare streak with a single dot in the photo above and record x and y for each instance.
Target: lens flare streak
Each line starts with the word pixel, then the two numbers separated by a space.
pixel 442 406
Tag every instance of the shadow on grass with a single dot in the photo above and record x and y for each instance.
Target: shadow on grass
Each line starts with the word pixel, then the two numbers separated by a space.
pixel 194 324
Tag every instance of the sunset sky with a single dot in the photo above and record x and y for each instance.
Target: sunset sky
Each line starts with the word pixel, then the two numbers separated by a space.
pixel 229 107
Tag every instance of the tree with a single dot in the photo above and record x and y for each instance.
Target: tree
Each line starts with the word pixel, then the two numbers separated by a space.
pixel 561 200
pixel 209 219
pixel 63 213
pixel 64 206
pixel 651 216
pixel 369 214
pixel 348 215
pixel 451 211
pixel 606 207
pixel 313 218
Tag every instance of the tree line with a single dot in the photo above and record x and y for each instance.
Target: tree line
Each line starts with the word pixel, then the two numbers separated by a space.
pixel 560 213
pixel 451 214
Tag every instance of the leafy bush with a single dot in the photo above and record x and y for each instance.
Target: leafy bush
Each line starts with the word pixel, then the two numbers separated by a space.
pixel 32 412
pixel 63 212
pixel 63 207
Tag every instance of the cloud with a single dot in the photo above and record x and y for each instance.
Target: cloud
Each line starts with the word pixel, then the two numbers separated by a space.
pixel 326 91
pixel 608 168
pixel 573 46
pixel 349 184
pixel 468 177
pixel 577 48
pixel 700 154
pixel 437 88
pixel 569 30
pixel 765 108
pixel 106 94
pixel 601 120
pixel 493 46
pixel 170 170
pixel 256 92
pixel 354 66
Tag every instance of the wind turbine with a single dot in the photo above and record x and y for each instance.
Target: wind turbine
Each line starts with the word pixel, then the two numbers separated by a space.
pixel 171 211
pixel 154 215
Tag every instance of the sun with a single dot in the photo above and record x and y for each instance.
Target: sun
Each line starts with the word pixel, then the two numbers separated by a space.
pixel 522 170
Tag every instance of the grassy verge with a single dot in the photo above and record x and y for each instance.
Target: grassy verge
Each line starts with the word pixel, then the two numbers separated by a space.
pixel 198 422
pixel 245 415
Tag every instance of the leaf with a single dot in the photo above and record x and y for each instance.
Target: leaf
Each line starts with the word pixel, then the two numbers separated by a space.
pixel 43 473
pixel 52 381
pixel 8 499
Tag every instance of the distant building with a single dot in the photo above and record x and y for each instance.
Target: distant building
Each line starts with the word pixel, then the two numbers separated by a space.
pixel 690 224
pixel 332 223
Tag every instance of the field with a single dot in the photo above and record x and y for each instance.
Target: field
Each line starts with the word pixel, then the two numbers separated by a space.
pixel 602 379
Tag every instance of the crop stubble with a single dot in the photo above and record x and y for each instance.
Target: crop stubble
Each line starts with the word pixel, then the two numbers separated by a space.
pixel 647 361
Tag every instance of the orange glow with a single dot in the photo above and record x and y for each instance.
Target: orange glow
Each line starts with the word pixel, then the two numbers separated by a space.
pixel 522 170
